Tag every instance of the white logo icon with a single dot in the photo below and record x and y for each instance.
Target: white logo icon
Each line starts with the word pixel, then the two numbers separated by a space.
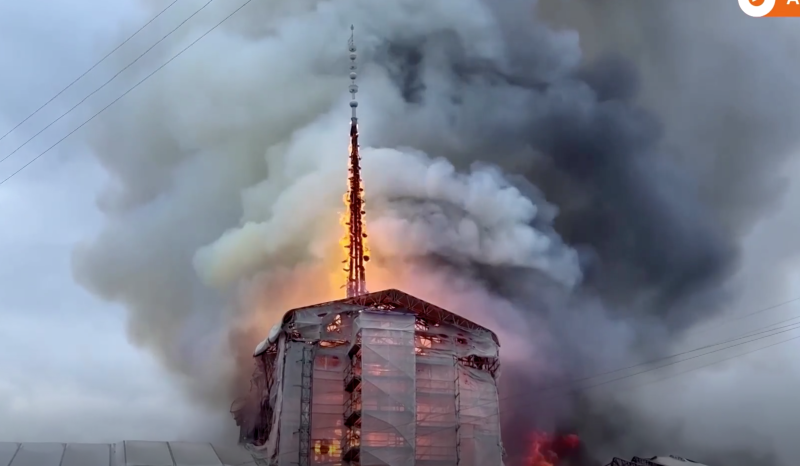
pixel 756 11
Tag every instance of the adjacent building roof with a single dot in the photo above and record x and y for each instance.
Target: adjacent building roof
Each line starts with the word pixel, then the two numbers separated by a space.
pixel 674 461
pixel 670 460
pixel 128 453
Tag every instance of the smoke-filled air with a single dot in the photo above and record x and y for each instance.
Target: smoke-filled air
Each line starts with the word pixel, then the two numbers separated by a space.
pixel 575 175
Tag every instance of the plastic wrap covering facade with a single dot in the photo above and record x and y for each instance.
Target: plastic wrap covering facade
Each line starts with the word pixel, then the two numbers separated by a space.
pixel 126 454
pixel 378 380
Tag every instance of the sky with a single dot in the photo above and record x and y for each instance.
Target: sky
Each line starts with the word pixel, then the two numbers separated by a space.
pixel 68 370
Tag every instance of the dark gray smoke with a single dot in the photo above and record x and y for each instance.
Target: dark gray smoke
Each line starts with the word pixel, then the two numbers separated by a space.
pixel 578 175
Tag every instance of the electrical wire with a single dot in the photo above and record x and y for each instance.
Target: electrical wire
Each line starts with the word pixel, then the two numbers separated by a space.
pixel 793 326
pixel 125 93
pixel 741 337
pixel 617 379
pixel 436 431
pixel 589 387
pixel 704 329
pixel 107 82
pixel 672 376
pixel 89 70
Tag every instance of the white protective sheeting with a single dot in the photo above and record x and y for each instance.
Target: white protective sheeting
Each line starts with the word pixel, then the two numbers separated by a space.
pixel 478 418
pixel 289 429
pixel 437 419
pixel 127 453
pixel 388 396
pixel 315 324
pixel 422 401
pixel 328 397
pixel 275 399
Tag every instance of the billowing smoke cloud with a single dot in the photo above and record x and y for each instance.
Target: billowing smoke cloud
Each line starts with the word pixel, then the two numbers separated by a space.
pixel 583 188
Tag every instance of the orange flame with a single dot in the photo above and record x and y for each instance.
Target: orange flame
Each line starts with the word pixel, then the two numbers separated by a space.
pixel 546 449
pixel 344 221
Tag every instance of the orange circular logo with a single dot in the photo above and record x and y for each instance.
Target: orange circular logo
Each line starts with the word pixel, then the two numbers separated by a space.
pixel 757 8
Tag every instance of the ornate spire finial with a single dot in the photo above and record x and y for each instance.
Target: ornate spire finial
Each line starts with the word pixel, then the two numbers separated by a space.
pixel 353 74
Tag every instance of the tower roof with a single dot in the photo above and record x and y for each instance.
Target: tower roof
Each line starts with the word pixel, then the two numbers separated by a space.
pixel 393 299
pixel 386 300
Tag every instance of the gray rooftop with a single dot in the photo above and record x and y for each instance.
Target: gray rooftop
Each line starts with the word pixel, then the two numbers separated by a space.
pixel 127 453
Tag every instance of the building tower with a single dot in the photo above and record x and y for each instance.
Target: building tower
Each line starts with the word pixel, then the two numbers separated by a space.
pixel 375 379
pixel 356 233
pixel 382 379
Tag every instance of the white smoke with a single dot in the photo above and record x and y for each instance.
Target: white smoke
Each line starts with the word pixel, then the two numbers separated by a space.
pixel 418 207
pixel 230 166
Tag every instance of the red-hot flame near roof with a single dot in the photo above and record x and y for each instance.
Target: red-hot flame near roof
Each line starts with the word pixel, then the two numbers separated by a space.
pixel 548 450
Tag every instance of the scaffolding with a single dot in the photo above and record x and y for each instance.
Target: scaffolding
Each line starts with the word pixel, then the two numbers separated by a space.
pixel 326 408
pixel 388 398
pixel 437 403
pixel 351 441
pixel 306 383
pixel 379 380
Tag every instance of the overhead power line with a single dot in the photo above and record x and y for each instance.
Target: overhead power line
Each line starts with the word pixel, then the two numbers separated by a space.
pixel 107 82
pixel 569 387
pixel 734 318
pixel 740 337
pixel 125 93
pixel 671 376
pixel 576 389
pixel 88 71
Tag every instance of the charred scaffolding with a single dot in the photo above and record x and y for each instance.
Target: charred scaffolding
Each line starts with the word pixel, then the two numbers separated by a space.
pixel 378 379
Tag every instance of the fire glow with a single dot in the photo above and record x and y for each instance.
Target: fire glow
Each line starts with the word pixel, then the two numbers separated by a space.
pixel 548 450
pixel 354 243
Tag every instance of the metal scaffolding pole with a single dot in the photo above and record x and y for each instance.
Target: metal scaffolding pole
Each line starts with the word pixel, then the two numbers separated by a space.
pixel 306 381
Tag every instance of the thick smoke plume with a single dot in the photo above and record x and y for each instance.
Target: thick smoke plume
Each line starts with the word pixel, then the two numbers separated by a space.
pixel 576 175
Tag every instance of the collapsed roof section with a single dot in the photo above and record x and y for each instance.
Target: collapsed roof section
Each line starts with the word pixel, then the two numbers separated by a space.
pixel 310 322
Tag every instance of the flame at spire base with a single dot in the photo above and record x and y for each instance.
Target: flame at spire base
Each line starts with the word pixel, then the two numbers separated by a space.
pixel 355 239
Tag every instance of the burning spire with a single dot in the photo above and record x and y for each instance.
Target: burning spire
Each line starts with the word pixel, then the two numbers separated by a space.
pixel 355 239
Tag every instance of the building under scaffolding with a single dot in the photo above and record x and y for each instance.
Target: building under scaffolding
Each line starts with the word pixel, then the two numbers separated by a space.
pixel 378 379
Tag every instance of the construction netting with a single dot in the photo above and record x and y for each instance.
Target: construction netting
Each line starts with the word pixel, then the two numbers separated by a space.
pixel 427 394
pixel 478 418
pixel 437 418
pixel 327 420
pixel 288 418
pixel 275 400
pixel 388 397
